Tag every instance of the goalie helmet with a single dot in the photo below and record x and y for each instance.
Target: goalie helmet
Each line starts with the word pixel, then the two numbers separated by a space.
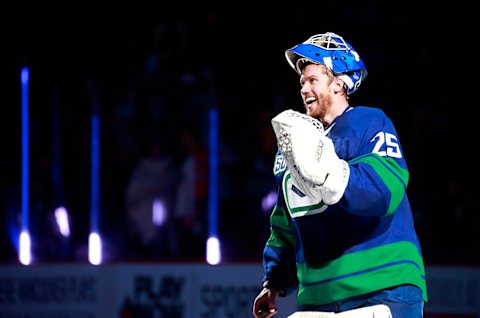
pixel 335 53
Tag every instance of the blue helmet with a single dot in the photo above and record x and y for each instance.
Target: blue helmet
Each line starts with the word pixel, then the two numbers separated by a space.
pixel 335 53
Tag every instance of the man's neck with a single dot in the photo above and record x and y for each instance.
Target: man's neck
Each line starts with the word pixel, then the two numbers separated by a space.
pixel 334 112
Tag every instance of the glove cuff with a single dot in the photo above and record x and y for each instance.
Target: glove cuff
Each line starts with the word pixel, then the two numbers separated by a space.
pixel 336 183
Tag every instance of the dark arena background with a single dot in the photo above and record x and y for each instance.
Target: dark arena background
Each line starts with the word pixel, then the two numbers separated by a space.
pixel 134 132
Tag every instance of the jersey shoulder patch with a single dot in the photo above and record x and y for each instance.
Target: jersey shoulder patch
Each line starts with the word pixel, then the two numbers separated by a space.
pixel 280 165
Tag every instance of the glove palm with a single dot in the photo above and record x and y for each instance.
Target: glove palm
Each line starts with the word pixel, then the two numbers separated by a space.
pixel 313 156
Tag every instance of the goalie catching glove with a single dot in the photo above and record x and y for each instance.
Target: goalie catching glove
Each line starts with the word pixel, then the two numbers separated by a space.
pixel 310 156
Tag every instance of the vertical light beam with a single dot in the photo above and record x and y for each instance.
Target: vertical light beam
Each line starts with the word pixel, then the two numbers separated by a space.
pixel 24 246
pixel 213 245
pixel 95 244
pixel 94 177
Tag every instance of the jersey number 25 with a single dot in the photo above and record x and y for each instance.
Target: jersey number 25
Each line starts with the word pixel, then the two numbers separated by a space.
pixel 390 142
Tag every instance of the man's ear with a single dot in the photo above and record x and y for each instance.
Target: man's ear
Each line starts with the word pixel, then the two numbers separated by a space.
pixel 339 84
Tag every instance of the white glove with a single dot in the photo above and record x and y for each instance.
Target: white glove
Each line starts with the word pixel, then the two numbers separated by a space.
pixel 315 156
pixel 282 125
pixel 310 155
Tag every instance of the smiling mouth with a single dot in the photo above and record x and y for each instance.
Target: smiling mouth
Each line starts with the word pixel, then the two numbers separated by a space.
pixel 309 101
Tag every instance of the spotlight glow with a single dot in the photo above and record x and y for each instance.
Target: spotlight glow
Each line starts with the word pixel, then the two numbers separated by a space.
pixel 61 217
pixel 158 212
pixel 268 201
pixel 25 256
pixel 94 249
pixel 213 251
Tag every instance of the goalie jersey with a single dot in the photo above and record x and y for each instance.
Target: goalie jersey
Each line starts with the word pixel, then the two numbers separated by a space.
pixel 364 243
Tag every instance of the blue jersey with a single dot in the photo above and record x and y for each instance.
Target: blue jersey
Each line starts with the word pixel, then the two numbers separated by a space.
pixel 364 243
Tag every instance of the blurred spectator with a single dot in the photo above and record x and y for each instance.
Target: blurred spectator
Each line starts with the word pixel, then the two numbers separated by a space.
pixel 192 197
pixel 150 200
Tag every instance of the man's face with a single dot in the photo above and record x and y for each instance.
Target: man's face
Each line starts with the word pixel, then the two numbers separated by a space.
pixel 316 90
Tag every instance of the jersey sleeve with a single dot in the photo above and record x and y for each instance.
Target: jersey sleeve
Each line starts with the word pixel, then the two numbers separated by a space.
pixel 378 171
pixel 279 251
